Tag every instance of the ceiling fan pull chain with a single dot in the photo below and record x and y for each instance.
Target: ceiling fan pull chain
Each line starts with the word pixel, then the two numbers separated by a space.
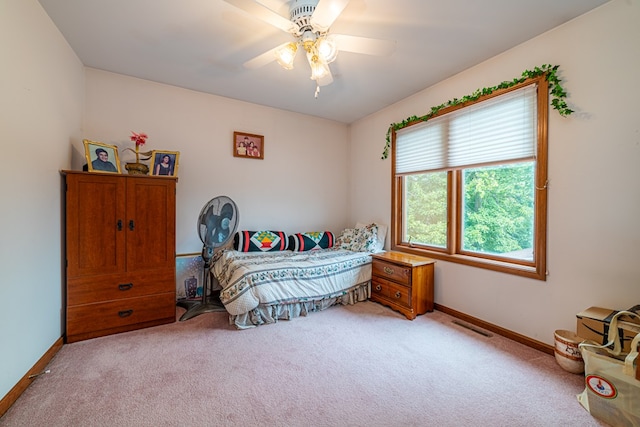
pixel 317 90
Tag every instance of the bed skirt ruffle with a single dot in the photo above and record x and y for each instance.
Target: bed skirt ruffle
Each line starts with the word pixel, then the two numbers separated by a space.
pixel 265 314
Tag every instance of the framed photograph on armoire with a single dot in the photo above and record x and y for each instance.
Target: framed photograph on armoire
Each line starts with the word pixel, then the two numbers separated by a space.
pixel 101 157
pixel 164 163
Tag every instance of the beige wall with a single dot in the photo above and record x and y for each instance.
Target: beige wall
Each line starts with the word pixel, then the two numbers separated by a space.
pixel 41 101
pixel 594 173
pixel 299 186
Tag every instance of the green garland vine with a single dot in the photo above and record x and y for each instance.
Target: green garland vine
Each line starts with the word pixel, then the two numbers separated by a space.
pixel 555 88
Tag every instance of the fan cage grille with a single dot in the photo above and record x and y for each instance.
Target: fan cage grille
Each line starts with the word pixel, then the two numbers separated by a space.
pixel 301 16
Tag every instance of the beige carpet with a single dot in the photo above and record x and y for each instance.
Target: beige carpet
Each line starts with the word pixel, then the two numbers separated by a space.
pixel 361 365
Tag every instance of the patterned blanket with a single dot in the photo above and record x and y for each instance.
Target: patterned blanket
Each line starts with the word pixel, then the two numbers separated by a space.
pixel 249 279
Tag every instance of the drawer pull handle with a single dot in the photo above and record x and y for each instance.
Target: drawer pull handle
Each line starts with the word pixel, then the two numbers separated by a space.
pixel 125 313
pixel 398 294
pixel 388 270
pixel 378 288
pixel 125 286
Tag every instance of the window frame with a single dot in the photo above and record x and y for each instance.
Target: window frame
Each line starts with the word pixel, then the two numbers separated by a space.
pixel 535 269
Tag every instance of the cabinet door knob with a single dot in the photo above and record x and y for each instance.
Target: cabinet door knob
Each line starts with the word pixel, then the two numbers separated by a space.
pixel 125 286
pixel 378 288
pixel 119 225
pixel 125 313
pixel 131 225
pixel 388 270
pixel 398 294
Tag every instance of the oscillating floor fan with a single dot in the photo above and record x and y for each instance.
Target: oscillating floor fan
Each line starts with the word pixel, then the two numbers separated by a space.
pixel 217 222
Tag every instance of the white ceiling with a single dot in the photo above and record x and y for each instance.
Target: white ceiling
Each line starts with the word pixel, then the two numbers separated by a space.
pixel 202 44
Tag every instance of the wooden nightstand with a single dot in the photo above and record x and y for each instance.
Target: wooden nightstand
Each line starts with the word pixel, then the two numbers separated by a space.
pixel 403 282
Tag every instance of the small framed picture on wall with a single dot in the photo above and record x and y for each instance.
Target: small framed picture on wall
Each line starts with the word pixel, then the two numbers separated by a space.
pixel 248 145
pixel 164 163
pixel 101 157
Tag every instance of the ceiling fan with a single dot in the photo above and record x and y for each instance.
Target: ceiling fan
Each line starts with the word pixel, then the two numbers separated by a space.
pixel 309 22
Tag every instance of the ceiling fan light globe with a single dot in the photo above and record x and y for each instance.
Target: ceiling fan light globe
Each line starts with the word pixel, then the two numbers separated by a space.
pixel 286 55
pixel 327 49
pixel 319 68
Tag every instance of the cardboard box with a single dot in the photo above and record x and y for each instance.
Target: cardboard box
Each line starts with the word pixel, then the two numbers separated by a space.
pixel 593 324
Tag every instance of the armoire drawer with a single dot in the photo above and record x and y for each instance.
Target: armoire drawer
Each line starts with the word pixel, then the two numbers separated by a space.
pixel 95 289
pixel 118 313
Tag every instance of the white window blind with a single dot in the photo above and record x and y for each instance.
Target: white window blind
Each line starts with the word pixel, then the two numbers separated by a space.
pixel 502 128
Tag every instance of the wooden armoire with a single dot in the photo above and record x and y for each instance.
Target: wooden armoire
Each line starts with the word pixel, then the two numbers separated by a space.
pixel 120 253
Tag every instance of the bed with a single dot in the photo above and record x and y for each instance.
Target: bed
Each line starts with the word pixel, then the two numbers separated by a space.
pixel 261 287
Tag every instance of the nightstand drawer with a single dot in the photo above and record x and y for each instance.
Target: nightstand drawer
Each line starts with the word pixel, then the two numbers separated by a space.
pixel 395 293
pixel 395 272
pixel 380 287
pixel 400 295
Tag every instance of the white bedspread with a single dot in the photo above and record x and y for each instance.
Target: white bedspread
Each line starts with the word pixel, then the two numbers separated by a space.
pixel 249 279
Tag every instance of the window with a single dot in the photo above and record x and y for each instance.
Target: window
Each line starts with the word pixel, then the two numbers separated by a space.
pixel 469 184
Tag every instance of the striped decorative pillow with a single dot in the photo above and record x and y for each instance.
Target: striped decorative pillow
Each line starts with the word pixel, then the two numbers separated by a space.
pixel 311 240
pixel 260 241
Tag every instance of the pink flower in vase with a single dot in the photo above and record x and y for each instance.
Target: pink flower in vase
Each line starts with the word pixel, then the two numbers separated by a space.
pixel 139 139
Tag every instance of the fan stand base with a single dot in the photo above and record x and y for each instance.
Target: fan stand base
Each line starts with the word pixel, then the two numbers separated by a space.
pixel 196 308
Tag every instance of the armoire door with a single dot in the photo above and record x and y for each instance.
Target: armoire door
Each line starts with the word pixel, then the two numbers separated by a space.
pixel 150 224
pixel 95 224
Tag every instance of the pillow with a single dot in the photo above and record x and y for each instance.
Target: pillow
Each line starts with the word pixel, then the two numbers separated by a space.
pixel 358 239
pixel 260 241
pixel 311 240
pixel 382 235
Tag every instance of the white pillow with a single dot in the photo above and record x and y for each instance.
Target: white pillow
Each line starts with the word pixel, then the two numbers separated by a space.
pixel 382 234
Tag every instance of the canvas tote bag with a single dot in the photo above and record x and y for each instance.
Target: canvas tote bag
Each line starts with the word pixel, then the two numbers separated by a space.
pixel 612 392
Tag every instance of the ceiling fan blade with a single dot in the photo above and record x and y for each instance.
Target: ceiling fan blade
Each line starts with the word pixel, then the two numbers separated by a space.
pixel 326 13
pixel 364 45
pixel 264 13
pixel 264 58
